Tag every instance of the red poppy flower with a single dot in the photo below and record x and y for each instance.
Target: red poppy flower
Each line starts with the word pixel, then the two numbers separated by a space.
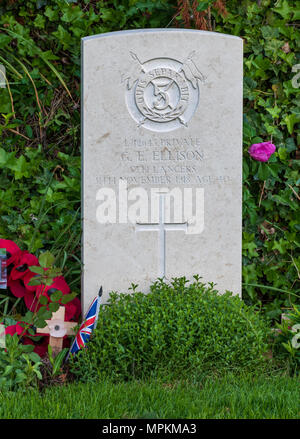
pixel 20 269
pixel 13 329
pixel 40 346
pixel 73 310
pixel 27 278
pixel 31 301
pixel 59 284
pixel 13 252
pixel 16 287
pixel 18 282
pixel 20 288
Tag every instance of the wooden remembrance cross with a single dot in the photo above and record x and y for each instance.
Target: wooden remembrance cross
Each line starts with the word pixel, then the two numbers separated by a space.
pixel 57 328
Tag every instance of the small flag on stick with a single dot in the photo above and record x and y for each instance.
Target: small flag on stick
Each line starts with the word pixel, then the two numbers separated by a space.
pixel 87 327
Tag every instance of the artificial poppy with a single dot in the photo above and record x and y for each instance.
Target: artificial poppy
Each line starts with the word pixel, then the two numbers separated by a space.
pixel 16 287
pixel 73 310
pixel 40 345
pixel 27 278
pixel 14 329
pixel 58 284
pixel 20 269
pixel 31 301
pixel 13 252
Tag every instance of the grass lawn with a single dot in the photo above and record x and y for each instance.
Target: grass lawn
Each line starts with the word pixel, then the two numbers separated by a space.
pixel 219 398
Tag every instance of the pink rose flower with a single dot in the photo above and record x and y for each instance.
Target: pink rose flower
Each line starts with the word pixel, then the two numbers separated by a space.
pixel 262 151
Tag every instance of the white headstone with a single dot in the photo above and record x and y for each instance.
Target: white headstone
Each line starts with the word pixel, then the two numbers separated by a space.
pixel 162 158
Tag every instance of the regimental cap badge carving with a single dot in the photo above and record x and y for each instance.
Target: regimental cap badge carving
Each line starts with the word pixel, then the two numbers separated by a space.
pixel 162 94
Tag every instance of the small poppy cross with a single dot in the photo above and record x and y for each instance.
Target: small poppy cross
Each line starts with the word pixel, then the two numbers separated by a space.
pixel 57 328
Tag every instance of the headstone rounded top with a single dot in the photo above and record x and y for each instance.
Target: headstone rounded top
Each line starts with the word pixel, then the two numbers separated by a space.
pixel 159 30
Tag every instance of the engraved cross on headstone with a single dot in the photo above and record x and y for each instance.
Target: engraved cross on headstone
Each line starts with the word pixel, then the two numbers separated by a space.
pixel 162 227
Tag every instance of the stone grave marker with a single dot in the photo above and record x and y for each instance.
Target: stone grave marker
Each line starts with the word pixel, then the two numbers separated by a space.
pixel 162 158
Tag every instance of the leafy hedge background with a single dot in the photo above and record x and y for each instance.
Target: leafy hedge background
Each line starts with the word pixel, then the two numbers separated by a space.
pixel 40 126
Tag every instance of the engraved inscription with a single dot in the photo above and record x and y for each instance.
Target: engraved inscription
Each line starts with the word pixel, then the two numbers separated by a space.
pixel 164 161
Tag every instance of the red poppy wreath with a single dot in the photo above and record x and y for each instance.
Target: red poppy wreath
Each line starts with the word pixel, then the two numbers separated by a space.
pixel 18 265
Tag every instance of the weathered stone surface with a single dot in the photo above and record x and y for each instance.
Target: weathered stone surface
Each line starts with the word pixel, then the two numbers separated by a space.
pixel 162 158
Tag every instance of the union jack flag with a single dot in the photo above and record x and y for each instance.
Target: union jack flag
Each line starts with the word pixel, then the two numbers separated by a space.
pixel 87 327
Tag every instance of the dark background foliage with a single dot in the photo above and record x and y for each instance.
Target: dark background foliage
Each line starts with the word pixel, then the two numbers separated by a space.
pixel 40 126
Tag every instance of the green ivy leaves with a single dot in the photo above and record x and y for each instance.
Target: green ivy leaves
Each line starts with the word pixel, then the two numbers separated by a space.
pixel 40 150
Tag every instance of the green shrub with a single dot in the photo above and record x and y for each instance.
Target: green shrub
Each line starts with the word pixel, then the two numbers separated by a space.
pixel 178 328
pixel 286 346
pixel 19 365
